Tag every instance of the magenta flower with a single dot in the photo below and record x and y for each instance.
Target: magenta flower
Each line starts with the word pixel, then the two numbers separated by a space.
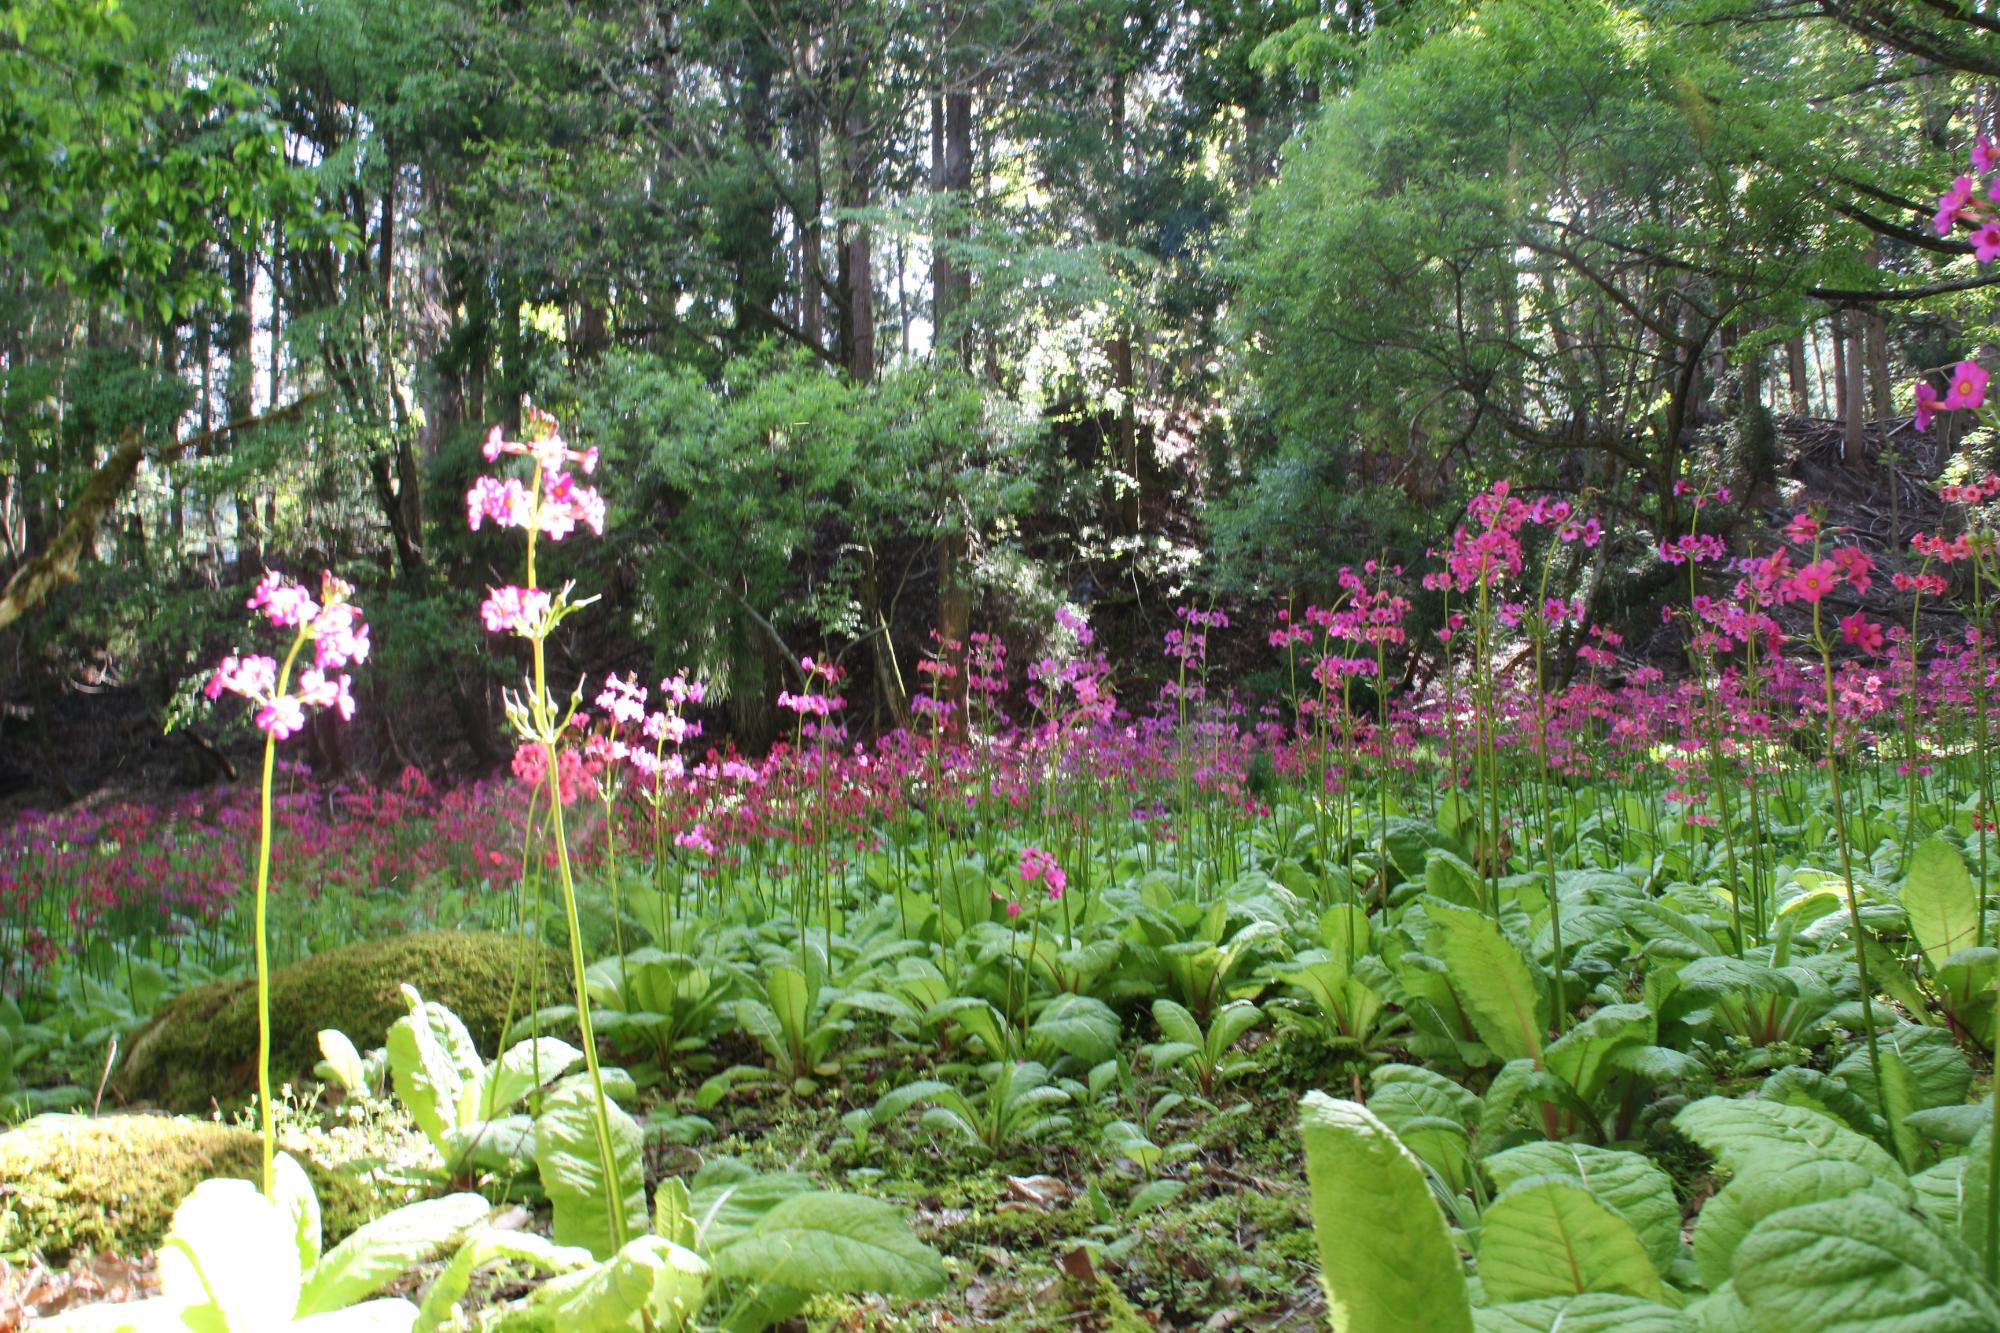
pixel 283 603
pixel 1986 243
pixel 1953 205
pixel 282 716
pixel 1037 864
pixel 339 636
pixel 1929 402
pixel 514 610
pixel 1968 387
pixel 1982 155
pixel 1862 632
pixel 1815 581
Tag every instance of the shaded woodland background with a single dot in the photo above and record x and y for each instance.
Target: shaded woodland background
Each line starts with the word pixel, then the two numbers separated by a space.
pixel 893 322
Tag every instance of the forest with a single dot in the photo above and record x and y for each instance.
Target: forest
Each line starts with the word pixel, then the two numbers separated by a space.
pixel 835 665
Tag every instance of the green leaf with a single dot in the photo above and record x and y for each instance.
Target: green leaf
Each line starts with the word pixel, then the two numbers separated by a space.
pixel 386 1316
pixel 1385 1256
pixel 1745 1133
pixel 387 1248
pixel 1942 902
pixel 1493 980
pixel 1080 1026
pixel 572 1172
pixel 1587 1055
pixel 343 1062
pixel 727 1197
pixel 232 1250
pixel 825 1241
pixel 1624 1182
pixel 1859 1265
pixel 1177 1024
pixel 1553 1238
pixel 294 1196
pixel 1593 1312
pixel 1761 1191
pixel 432 1057
pixel 649 1283
pixel 486 1247
pixel 523 1069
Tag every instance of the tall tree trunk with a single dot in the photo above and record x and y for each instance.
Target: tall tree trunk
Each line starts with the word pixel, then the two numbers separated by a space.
pixel 951 289
pixel 1853 426
pixel 1795 374
pixel 238 391
pixel 1125 439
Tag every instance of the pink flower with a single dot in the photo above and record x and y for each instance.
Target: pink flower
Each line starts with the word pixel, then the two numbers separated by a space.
pixel 1986 243
pixel 1855 565
pixel 1037 864
pixel 1982 156
pixel 283 602
pixel 282 716
pixel 507 503
pixel 1968 386
pixel 1862 632
pixel 1952 205
pixel 1802 529
pixel 1815 581
pixel 1928 404
pixel 339 637
pixel 521 611
pixel 251 677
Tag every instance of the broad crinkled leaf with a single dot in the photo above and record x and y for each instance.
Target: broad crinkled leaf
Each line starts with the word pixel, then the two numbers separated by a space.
pixel 1942 903
pixel 1763 1190
pixel 521 1069
pixel 1625 1182
pixel 1586 1056
pixel 726 1197
pixel 823 1241
pixel 432 1057
pixel 1594 1312
pixel 572 1171
pixel 1859 1265
pixel 650 1282
pixel 492 1246
pixel 1080 1026
pixel 1743 1133
pixel 343 1060
pixel 386 1248
pixel 1554 1238
pixel 1387 1260
pixel 1491 977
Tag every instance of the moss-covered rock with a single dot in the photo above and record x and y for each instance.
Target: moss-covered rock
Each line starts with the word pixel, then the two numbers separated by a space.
pixel 202 1046
pixel 73 1185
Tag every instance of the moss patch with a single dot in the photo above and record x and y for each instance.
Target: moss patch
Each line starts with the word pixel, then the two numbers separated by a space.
pixel 73 1185
pixel 202 1046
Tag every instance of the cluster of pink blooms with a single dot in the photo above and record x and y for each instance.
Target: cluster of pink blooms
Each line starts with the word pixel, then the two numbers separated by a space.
pixel 808 702
pixel 554 504
pixel 1039 865
pixel 558 506
pixel 1969 203
pixel 339 637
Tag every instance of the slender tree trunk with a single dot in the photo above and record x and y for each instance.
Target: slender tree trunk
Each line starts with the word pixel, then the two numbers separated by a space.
pixel 1854 420
pixel 238 392
pixel 1795 374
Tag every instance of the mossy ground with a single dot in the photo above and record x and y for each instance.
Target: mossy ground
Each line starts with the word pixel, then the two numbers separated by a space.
pixel 74 1185
pixel 201 1047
